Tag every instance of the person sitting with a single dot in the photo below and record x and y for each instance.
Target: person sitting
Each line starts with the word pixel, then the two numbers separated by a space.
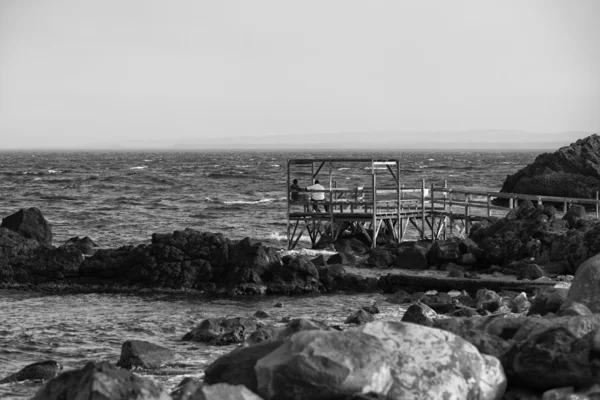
pixel 295 190
pixel 318 196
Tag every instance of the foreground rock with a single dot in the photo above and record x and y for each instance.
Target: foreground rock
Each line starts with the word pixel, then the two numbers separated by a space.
pixel 100 381
pixel 382 359
pixel 30 224
pixel 38 371
pixel 223 331
pixel 571 171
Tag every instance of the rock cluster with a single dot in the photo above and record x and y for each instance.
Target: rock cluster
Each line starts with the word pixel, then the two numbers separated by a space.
pixel 571 171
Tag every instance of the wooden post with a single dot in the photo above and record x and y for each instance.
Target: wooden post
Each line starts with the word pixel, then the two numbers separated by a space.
pixel 423 208
pixel 511 203
pixel 597 207
pixel 539 201
pixel 432 213
pixel 374 235
pixel 467 216
pixel 565 206
pixel 331 214
pixel 399 197
pixel 289 240
pixel 445 196
pixel 489 205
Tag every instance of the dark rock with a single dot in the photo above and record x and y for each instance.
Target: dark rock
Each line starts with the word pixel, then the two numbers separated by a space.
pixel 224 391
pixel 520 303
pixel 42 370
pixel 358 283
pixel 271 332
pixel 351 245
pixel 31 224
pixel 186 389
pixel 223 331
pixel 548 301
pixel 410 256
pixel 573 308
pixel 237 367
pixel 295 276
pixel 400 297
pixel 468 259
pixel 140 353
pixel 571 171
pixel 531 271
pixel 85 244
pixel 359 317
pixel 371 309
pixel 262 314
pixel 574 215
pixel 319 261
pixel 100 381
pixel 443 251
pixel 342 258
pixel 419 313
pixel 456 274
pixel 279 304
pixel 488 300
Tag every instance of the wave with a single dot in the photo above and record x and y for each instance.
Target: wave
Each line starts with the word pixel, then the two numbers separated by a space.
pixel 58 197
pixel 261 201
pixel 140 167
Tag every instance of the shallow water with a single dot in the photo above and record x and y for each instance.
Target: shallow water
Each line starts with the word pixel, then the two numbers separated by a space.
pixel 76 328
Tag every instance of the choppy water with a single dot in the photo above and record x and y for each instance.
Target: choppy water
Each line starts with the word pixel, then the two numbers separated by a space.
pixel 122 198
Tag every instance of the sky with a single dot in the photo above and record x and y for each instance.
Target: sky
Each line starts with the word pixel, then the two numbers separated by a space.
pixel 200 74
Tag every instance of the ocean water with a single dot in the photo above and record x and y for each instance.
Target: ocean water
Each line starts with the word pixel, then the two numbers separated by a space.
pixel 119 198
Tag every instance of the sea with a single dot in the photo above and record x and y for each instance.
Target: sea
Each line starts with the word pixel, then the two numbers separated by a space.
pixel 122 198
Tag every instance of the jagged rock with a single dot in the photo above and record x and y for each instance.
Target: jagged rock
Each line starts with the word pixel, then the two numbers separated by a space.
pixel 262 314
pixel 429 363
pixel 359 317
pixel 223 331
pixel 520 303
pixel 404 255
pixel 31 224
pixel 573 308
pixel 373 309
pixel 238 366
pixel 571 171
pixel 140 353
pixel 531 271
pixel 294 275
pixel 351 245
pixel 42 370
pixel 488 300
pixel 419 313
pixel 100 381
pixel 400 297
pixel 321 365
pixel 443 251
pixel 186 390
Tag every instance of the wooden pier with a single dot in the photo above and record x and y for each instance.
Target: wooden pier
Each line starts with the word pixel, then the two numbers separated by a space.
pixel 372 201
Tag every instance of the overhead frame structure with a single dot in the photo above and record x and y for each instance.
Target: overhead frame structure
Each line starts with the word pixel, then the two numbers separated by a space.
pixel 369 215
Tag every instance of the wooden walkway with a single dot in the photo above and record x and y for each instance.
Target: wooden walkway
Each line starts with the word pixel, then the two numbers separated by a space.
pixel 390 211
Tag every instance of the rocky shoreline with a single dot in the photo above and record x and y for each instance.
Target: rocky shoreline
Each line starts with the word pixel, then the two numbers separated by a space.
pixel 509 312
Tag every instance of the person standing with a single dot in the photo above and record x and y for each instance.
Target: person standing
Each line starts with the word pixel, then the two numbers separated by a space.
pixel 295 190
pixel 318 196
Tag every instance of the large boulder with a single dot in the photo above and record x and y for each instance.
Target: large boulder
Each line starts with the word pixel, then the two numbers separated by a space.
pixel 585 287
pixel 429 363
pixel 101 381
pixel 31 224
pixel 321 365
pixel 571 171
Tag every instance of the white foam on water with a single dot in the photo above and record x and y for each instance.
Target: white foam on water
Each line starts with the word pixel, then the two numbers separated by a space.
pixel 140 167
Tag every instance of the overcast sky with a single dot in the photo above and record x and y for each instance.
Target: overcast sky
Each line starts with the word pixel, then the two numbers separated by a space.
pixel 118 73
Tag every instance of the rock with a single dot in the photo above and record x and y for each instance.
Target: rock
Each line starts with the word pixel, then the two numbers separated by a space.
pixel 31 224
pixel 548 301
pixel 42 370
pixel 400 297
pixel 100 381
pixel 279 304
pixel 585 287
pixel 359 317
pixel 467 259
pixel 371 309
pixel 262 314
pixel 456 274
pixel 321 365
pixel 443 251
pixel 223 391
pixel 488 300
pixel 342 258
pixel 554 354
pixel 520 303
pixel 419 313
pixel 351 245
pixel 319 261
pixel 186 390
pixel 573 308
pixel 140 353
pixel 85 244
pixel 575 214
pixel 571 171
pixel 238 366
pixel 283 332
pixel 295 275
pixel 404 255
pixel 223 331
pixel 432 364
pixel 531 271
